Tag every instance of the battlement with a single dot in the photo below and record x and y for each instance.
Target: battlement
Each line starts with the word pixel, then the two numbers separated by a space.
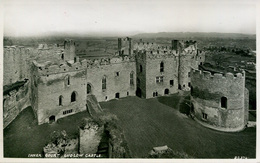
pixel 206 75
pixel 145 46
pixel 156 54
pixel 15 49
pixel 48 67
pixel 68 43
pixel 125 39
pixel 93 63
pixel 43 47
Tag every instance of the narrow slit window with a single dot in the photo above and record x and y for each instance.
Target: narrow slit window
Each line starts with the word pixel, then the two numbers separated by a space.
pixel 161 67
pixel 104 83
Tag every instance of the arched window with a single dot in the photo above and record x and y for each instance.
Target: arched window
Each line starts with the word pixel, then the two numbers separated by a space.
pixel 141 68
pixel 104 83
pixel 60 100
pixel 223 102
pixel 132 78
pixel 62 56
pixel 161 67
pixel 73 96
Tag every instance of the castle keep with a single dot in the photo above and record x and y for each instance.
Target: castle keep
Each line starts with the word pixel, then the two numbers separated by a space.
pixel 61 84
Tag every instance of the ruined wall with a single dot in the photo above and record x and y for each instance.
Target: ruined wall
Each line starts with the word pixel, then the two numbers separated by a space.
pixel 125 46
pixel 153 70
pixel 15 64
pixel 200 57
pixel 117 73
pixel 90 138
pixel 51 83
pixel 14 102
pixel 69 50
pixel 207 91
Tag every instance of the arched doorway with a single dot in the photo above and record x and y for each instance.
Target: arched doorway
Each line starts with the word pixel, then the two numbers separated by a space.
pixel 117 95
pixel 166 91
pixel 73 97
pixel 52 119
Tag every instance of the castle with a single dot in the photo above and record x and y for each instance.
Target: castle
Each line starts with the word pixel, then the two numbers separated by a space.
pixel 61 83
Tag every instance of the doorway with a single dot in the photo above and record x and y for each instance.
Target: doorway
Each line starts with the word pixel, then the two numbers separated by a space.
pixel 166 91
pixel 52 119
pixel 117 95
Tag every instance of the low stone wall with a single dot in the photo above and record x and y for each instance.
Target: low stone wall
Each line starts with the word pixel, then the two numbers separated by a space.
pixel 14 102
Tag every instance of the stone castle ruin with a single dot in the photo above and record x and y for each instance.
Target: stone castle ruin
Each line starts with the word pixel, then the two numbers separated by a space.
pixel 60 84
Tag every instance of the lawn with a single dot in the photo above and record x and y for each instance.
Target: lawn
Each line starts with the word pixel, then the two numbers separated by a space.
pixel 146 124
pixel 23 136
pixel 150 123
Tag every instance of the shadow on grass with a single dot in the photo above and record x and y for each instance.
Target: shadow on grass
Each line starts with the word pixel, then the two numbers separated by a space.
pixel 24 136
pixel 178 102
pixel 171 101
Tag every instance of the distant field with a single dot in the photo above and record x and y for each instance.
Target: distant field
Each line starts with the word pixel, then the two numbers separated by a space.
pixel 149 123
pixel 24 136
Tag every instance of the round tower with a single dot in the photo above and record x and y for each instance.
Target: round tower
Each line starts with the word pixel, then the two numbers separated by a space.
pixel 219 101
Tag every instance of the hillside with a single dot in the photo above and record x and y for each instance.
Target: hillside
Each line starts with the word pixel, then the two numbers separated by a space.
pixel 194 35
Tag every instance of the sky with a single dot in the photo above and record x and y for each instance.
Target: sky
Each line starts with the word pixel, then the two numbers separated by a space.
pixel 115 17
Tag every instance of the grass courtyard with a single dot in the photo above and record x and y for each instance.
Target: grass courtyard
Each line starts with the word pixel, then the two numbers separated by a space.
pixel 23 136
pixel 150 123
pixel 146 124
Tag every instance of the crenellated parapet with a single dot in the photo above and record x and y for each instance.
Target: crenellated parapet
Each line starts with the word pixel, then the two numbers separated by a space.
pixel 15 50
pixel 157 54
pixel 145 46
pixel 227 77
pixel 68 43
pixel 94 63
pixel 48 68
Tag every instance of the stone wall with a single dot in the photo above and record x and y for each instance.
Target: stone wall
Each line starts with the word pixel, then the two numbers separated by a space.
pixel 89 138
pixel 207 91
pixel 125 46
pixel 117 75
pixel 69 50
pixel 14 64
pixel 153 70
pixel 53 86
pixel 14 102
